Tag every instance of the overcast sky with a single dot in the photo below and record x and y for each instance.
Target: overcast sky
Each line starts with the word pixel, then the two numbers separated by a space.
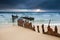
pixel 30 4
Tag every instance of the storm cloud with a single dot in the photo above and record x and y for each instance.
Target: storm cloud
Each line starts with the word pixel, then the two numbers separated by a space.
pixel 30 4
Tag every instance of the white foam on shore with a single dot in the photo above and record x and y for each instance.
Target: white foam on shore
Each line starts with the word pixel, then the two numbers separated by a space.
pixel 52 24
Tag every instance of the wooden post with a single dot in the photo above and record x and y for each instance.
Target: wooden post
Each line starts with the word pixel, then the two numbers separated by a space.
pixel 33 28
pixel 50 30
pixel 30 26
pixel 56 30
pixel 48 27
pixel 38 29
pixel 13 18
pixel 43 28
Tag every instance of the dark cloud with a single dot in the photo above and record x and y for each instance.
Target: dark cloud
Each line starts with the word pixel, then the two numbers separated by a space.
pixel 7 4
pixel 30 4
pixel 11 1
pixel 50 4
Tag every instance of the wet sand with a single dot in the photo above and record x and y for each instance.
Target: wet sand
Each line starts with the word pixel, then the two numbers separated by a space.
pixel 14 32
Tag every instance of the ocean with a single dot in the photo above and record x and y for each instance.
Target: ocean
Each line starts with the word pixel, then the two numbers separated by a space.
pixel 39 18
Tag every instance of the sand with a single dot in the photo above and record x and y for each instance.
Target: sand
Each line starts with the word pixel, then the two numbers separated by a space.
pixel 14 32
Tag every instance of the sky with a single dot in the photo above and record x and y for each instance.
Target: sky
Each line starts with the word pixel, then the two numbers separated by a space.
pixel 30 4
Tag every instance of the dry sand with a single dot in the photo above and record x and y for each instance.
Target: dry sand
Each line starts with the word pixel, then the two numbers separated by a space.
pixel 13 32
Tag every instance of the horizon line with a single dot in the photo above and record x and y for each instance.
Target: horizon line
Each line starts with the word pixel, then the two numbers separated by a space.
pixel 27 10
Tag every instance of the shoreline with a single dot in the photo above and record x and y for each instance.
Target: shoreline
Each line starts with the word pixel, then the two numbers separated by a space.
pixel 58 24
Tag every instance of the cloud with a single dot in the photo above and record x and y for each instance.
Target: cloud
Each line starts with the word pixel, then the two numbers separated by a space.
pixel 50 4
pixel 30 4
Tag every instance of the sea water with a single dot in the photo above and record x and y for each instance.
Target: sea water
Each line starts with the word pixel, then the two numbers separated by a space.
pixel 39 18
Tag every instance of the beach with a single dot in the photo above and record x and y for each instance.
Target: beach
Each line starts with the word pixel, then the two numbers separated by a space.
pixel 11 31
pixel 14 32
